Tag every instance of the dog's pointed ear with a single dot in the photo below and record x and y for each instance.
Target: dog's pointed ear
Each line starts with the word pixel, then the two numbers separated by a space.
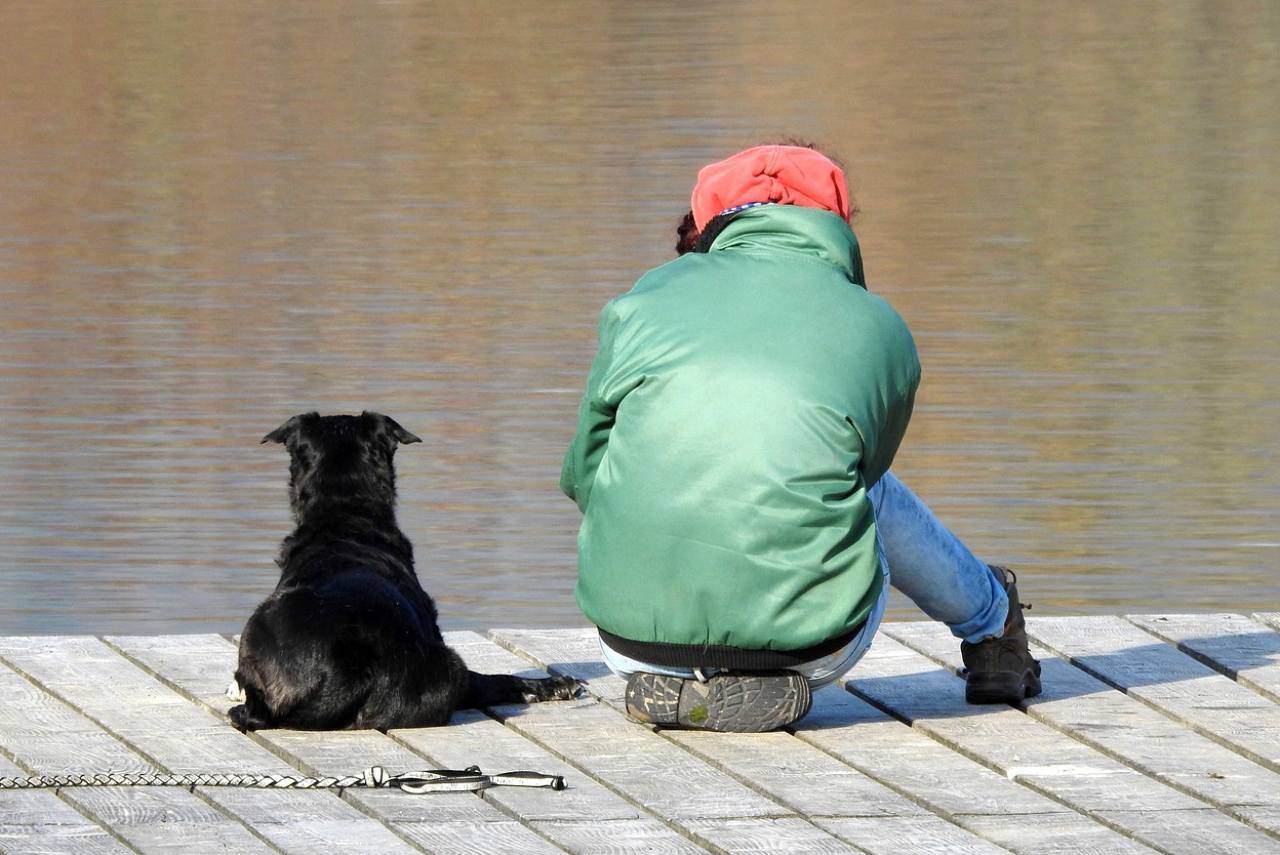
pixel 288 430
pixel 393 428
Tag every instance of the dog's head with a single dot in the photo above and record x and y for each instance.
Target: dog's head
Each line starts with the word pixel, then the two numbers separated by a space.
pixel 348 458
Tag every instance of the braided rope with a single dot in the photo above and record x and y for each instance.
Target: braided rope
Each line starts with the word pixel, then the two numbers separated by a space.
pixel 428 781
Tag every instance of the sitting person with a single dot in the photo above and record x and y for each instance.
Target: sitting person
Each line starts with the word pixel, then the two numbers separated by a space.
pixel 732 463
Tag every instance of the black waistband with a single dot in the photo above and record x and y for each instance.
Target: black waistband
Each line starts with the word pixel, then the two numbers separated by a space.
pixel 721 656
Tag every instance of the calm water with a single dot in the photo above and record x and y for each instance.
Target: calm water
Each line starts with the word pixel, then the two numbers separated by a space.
pixel 213 216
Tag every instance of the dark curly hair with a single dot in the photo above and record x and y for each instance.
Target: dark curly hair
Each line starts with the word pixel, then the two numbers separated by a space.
pixel 687 235
pixel 688 239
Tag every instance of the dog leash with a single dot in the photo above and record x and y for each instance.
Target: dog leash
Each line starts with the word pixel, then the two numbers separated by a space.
pixel 470 779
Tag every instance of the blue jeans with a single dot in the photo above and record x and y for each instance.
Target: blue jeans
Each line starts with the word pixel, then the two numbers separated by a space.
pixel 929 564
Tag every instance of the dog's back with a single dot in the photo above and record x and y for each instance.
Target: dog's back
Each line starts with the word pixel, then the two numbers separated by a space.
pixel 349 638
pixel 348 652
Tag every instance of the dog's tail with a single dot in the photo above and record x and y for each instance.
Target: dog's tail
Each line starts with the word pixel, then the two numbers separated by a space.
pixel 487 690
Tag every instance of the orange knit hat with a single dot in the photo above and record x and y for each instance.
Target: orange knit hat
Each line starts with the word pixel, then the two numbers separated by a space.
pixel 788 174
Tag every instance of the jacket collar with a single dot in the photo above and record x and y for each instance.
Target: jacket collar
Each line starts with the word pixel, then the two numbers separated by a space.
pixel 790 228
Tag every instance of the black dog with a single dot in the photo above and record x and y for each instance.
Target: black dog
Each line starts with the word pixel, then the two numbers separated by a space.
pixel 348 639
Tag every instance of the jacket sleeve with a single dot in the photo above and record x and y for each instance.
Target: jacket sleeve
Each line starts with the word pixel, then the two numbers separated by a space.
pixel 595 420
pixel 895 428
pixel 901 384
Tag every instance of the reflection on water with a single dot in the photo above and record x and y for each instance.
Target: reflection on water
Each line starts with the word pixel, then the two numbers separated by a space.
pixel 215 216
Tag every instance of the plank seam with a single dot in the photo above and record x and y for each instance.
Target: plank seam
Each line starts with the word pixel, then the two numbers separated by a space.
pixel 511 647
pixel 501 808
pixel 659 733
pixel 1017 779
pixel 749 784
pixel 920 801
pixel 954 818
pixel 1208 661
pixel 139 752
pixel 78 808
pixel 674 824
pixel 812 817
pixel 642 811
pixel 344 795
pixel 1170 714
pixel 1070 812
pixel 715 764
pixel 603 823
pixel 687 833
pixel 276 751
pixel 1029 709
pixel 1266 619
pixel 283 754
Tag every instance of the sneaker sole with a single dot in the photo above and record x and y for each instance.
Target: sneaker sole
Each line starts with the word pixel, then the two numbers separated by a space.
pixel 733 703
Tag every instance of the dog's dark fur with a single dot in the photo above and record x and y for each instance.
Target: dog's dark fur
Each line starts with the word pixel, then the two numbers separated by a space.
pixel 349 639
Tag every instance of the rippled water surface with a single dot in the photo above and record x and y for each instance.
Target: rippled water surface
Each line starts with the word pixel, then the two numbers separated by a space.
pixel 213 216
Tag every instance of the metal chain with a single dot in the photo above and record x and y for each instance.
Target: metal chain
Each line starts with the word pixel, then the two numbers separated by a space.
pixel 426 781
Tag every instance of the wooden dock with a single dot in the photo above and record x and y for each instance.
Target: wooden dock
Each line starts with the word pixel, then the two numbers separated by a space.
pixel 1155 733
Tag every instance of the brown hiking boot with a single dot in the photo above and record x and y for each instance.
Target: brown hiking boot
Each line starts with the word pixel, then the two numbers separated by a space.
pixel 1000 670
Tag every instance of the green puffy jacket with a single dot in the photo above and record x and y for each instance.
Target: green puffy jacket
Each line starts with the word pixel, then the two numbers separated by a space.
pixel 742 402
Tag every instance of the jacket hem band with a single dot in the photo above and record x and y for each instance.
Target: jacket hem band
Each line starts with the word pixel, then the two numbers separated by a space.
pixel 721 656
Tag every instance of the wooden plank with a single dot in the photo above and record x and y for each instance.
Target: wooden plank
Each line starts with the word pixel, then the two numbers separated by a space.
pixel 1264 816
pixel 581 818
pixel 882 748
pixel 774 836
pixel 47 737
pixel 473 737
pixel 657 775
pixel 874 782
pixel 37 822
pixel 584 817
pixel 198 666
pixel 159 820
pixel 1094 713
pixel 1067 833
pixel 1244 650
pixel 903 835
pixel 949 783
pixel 643 766
pixel 577 655
pixel 1159 675
pixel 177 736
pixel 877 745
pixel 798 775
pixel 443 823
pixel 791 772
pixel 931 698
pixel 636 761
pixel 616 837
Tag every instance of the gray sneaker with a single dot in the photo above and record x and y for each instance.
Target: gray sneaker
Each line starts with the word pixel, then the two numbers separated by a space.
pixel 1001 670
pixel 729 702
